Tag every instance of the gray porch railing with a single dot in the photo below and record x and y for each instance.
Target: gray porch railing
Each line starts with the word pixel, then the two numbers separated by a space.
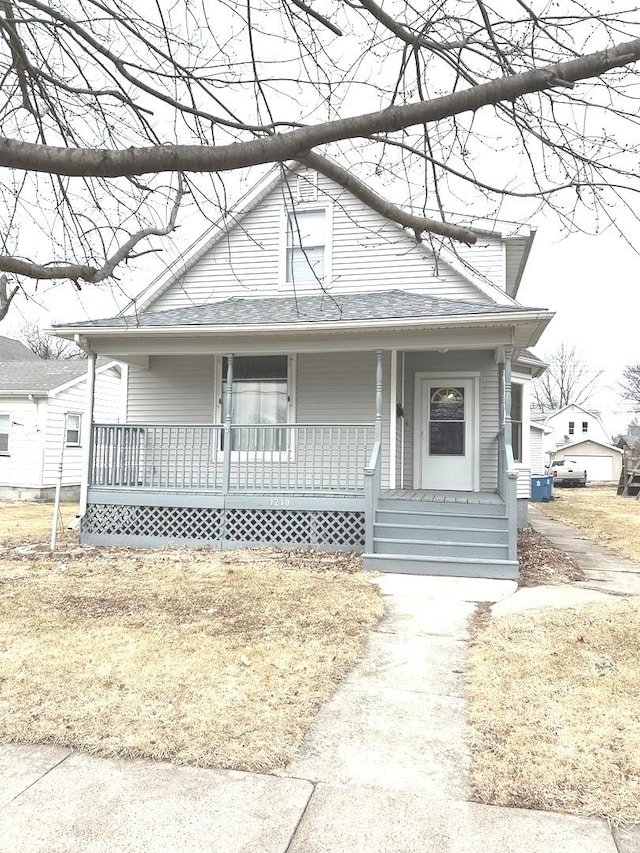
pixel 371 494
pixel 286 458
pixel 508 487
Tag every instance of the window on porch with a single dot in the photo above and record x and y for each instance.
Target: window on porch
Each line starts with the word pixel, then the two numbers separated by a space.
pixel 516 421
pixel 260 396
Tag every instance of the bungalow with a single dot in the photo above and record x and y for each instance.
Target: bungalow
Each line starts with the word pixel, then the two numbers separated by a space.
pixel 309 375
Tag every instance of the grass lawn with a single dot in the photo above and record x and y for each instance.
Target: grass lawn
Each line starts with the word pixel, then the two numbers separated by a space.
pixel 597 510
pixel 196 656
pixel 554 694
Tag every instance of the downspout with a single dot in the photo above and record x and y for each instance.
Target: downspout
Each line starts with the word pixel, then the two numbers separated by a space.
pixel 87 438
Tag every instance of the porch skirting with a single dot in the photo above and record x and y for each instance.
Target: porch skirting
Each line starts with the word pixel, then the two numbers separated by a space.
pixel 223 521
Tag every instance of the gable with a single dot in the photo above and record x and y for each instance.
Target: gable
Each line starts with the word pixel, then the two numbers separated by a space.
pixel 367 253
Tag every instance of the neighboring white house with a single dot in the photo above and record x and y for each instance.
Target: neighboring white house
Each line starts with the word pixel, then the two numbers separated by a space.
pixel 576 433
pixel 310 375
pixel 42 405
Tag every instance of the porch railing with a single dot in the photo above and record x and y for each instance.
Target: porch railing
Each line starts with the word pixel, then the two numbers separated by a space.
pixel 508 487
pixel 285 458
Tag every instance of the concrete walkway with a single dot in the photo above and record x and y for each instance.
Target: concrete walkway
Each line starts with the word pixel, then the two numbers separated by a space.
pixel 384 768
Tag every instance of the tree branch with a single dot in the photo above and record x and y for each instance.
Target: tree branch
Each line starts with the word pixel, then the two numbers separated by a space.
pixel 107 163
pixel 83 272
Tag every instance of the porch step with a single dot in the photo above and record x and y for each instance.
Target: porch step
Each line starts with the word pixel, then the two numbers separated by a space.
pixel 438 548
pixel 494 508
pixel 494 535
pixel 440 518
pixel 470 567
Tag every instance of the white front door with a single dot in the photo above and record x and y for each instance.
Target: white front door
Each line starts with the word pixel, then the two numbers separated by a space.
pixel 447 445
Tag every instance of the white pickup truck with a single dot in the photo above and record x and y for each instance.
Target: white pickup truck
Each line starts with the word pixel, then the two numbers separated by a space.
pixel 566 472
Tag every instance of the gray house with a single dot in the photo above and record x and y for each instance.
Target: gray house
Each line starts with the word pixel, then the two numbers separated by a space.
pixel 308 375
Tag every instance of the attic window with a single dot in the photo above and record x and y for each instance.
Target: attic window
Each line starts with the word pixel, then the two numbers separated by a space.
pixel 572 427
pixel 307 186
pixel 585 426
pixel 306 244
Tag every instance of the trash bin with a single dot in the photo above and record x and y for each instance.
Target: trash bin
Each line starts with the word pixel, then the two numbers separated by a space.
pixel 542 488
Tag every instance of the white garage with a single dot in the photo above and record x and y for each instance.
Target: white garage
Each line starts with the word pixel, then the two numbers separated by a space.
pixel 602 462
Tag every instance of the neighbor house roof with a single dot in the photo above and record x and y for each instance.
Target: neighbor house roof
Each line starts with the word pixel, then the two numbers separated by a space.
pixel 11 350
pixel 42 375
pixel 352 307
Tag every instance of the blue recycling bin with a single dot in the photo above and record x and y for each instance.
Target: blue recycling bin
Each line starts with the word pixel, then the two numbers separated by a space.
pixel 542 488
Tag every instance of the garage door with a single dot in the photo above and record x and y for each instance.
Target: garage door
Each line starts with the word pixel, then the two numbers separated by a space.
pixel 598 467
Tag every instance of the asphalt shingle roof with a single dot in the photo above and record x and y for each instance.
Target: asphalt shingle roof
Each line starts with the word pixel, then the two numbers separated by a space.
pixel 11 350
pixel 40 375
pixel 390 304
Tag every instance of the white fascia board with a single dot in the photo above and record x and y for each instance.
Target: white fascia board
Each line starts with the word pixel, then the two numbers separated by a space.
pixel 82 378
pixel 570 444
pixel 205 242
pixel 515 318
pixel 513 289
pixel 42 395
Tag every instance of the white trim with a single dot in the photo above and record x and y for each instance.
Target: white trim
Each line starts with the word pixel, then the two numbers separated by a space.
pixel 124 392
pixel 68 415
pixel 393 420
pixel 468 321
pixel 472 376
pixel 82 378
pixel 7 452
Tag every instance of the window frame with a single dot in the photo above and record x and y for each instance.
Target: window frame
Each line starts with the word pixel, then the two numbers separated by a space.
pixel 68 429
pixel 268 455
pixel 585 427
pixel 6 452
pixel 518 422
pixel 572 428
pixel 300 209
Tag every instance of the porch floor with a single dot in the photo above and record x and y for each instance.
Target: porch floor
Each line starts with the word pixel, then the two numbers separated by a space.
pixel 430 496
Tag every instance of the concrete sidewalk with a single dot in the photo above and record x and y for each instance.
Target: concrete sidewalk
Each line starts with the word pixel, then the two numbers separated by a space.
pixel 383 769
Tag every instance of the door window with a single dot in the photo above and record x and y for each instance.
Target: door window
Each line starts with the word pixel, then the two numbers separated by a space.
pixel 446 422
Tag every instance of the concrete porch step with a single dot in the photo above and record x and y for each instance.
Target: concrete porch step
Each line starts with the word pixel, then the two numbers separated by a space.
pixel 449 566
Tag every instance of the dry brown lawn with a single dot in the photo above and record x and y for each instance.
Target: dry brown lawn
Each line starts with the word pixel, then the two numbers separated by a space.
pixel 205 657
pixel 554 710
pixel 23 522
pixel 607 518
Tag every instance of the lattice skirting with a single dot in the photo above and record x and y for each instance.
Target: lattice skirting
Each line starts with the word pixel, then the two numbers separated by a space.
pixel 340 529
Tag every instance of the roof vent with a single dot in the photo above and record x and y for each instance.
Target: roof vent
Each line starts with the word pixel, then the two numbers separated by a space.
pixel 307 185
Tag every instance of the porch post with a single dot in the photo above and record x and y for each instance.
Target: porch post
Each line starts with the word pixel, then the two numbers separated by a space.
pixel 87 440
pixel 507 395
pixel 226 465
pixel 378 422
pixel 502 485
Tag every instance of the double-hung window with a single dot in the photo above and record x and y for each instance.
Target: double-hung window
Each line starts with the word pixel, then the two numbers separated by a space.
pixel 572 427
pixel 306 246
pixel 516 421
pixel 4 434
pixel 585 426
pixel 72 427
pixel 260 399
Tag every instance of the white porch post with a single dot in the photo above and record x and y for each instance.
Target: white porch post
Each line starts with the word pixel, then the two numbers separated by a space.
pixel 87 438
pixel 378 421
pixel 508 350
pixel 393 418
pixel 226 465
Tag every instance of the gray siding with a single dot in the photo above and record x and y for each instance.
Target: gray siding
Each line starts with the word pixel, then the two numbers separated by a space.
pixel 175 389
pixel 368 253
